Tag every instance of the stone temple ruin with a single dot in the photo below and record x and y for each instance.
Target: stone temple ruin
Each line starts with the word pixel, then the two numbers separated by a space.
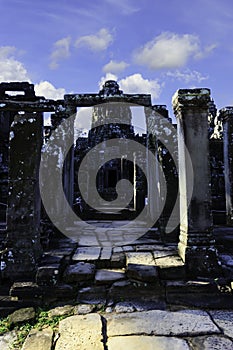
pixel 35 255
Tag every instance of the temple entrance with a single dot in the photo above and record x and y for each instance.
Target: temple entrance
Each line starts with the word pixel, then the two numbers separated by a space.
pixel 110 120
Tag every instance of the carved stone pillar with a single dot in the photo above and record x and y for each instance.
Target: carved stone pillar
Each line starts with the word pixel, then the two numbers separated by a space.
pixel 226 115
pixel 22 245
pixel 196 243
pixel 62 159
pixel 68 177
pixel 152 125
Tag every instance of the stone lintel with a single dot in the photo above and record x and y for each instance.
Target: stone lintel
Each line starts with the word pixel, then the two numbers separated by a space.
pixel 39 105
pixel 88 100
pixel 25 87
pixel 190 99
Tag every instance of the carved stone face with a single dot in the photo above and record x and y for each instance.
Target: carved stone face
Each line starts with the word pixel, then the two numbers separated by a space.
pixel 110 87
pixel 111 84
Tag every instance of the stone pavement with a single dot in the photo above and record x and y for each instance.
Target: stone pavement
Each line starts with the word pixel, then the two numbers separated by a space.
pixel 124 328
pixel 134 296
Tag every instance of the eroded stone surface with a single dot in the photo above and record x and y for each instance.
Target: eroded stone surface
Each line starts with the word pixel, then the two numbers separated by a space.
pixel 142 272
pixel 61 311
pixel 79 272
pixel 122 307
pixel 39 340
pixel 211 343
pixel 22 315
pixel 84 309
pixel 80 333
pixel 146 342
pixel 224 319
pixel 140 258
pixel 87 254
pixel 6 340
pixel 107 276
pixel 92 295
pixel 159 322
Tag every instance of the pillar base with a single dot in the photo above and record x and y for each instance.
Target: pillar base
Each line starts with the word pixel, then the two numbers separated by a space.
pixel 229 220
pixel 200 260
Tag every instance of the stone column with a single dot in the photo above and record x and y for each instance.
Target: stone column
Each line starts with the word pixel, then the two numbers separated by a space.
pixel 62 136
pixel 196 243
pixel 22 245
pixel 226 115
pixel 68 177
pixel 152 173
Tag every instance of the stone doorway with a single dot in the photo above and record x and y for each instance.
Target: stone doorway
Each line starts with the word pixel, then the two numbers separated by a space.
pixel 196 246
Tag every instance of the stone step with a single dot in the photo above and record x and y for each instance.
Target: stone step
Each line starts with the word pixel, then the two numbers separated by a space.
pixel 141 266
pixel 109 276
pixel 87 254
pixel 29 291
pixel 10 304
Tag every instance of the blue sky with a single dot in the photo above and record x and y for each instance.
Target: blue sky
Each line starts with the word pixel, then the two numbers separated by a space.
pixel 151 46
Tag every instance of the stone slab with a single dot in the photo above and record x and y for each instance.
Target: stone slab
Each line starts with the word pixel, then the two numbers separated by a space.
pixel 123 307
pixel 92 295
pixel 211 343
pixel 84 309
pixel 140 258
pixel 169 262
pixel 146 342
pixel 201 299
pixel 109 276
pixel 87 254
pixel 105 258
pixel 118 260
pixel 22 315
pixel 61 311
pixel 145 296
pixel 224 319
pixel 81 332
pixel 171 267
pixel 39 340
pixel 82 271
pixel 106 253
pixel 158 322
pixel 25 290
pixel 142 273
pixel 6 340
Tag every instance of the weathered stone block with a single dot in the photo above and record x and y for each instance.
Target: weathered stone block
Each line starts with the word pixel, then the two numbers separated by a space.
pixel 211 342
pixel 157 322
pixel 39 340
pixel 48 275
pixel 105 276
pixel 79 272
pixel 80 332
pixel 137 342
pixel 22 315
pixel 89 254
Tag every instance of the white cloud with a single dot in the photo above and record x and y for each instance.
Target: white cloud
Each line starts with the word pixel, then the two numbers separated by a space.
pixel 46 89
pixel 206 51
pixel 95 42
pixel 61 50
pixel 135 84
pixel 11 68
pixel 124 6
pixel 168 50
pixel 115 67
pixel 14 70
pixel 187 76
